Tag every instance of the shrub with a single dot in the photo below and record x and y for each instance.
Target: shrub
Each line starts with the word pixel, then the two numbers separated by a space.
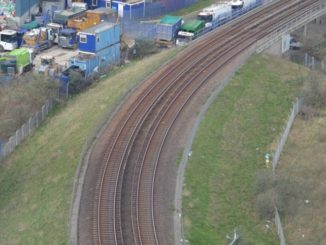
pixel 264 205
pixel 20 99
pixel 144 47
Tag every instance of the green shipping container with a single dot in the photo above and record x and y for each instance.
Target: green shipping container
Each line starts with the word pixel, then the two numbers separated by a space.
pixel 22 56
pixel 193 26
pixel 170 20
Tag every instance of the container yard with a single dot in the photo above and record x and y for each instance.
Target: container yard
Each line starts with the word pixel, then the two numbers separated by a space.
pixel 86 36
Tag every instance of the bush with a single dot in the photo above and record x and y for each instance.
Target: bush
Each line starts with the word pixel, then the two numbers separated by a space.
pixel 20 99
pixel 314 93
pixel 265 203
pixel 279 191
pixel 263 181
pixel 144 47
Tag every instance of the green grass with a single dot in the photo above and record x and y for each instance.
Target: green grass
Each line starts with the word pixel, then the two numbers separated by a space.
pixel 36 181
pixel 229 148
pixel 194 7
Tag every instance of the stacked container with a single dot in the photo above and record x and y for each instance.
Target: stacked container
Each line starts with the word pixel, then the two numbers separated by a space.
pixel 99 48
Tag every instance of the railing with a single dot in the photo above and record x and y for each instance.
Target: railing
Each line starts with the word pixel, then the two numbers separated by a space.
pixel 286 28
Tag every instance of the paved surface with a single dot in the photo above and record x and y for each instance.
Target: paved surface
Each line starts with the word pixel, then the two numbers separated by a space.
pixel 61 55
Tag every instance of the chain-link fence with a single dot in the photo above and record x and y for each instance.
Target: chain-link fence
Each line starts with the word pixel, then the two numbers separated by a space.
pixel 285 134
pixel 308 61
pixel 279 228
pixel 7 147
pixel 296 108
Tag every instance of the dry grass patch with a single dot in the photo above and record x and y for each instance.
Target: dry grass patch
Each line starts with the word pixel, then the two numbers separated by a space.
pixel 304 160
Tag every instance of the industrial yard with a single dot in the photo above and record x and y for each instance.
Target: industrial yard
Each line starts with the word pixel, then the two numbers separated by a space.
pixel 155 127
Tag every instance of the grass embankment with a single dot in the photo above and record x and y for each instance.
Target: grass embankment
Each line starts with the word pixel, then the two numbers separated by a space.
pixel 200 4
pixel 229 148
pixel 303 162
pixel 36 181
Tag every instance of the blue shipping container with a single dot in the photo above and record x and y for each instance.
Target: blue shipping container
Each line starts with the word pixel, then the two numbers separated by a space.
pixel 135 10
pixel 90 63
pixel 168 27
pixel 98 37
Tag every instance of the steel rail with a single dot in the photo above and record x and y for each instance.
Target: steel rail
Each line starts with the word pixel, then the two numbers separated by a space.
pixel 120 168
pixel 153 186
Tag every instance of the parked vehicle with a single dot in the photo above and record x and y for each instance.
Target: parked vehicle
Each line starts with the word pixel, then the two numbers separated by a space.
pixel 190 30
pixel 237 4
pixel 56 28
pixel 294 44
pixel 244 4
pixel 68 38
pixel 216 13
pixel 38 39
pixel 167 29
pixel 16 62
pixel 8 40
pixel 212 17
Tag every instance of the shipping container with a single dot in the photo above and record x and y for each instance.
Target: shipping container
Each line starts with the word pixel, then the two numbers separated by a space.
pixel 98 37
pixel 88 63
pixel 62 17
pixel 102 14
pixel 81 23
pixel 167 28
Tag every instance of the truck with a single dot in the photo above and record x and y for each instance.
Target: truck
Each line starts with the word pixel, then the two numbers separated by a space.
pixel 237 4
pixel 16 62
pixel 56 28
pixel 68 38
pixel 215 15
pixel 244 5
pixel 190 30
pixel 38 39
pixel 8 40
pixel 167 29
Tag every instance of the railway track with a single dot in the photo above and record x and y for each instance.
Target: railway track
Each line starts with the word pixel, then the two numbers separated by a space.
pixel 125 193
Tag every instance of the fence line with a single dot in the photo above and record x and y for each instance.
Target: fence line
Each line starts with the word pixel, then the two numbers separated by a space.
pixel 285 134
pixel 279 227
pixel 296 108
pixel 309 61
pixel 33 122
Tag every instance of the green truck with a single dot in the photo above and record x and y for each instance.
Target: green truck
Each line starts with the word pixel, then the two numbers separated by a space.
pixel 190 30
pixel 16 62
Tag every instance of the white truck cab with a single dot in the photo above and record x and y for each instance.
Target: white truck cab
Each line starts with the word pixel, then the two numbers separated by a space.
pixel 56 28
pixel 8 40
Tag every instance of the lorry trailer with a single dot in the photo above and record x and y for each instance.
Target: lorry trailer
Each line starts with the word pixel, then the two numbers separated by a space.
pixel 215 14
pixel 38 39
pixel 190 30
pixel 167 29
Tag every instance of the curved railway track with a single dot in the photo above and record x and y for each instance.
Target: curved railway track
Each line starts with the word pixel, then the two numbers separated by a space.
pixel 125 194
